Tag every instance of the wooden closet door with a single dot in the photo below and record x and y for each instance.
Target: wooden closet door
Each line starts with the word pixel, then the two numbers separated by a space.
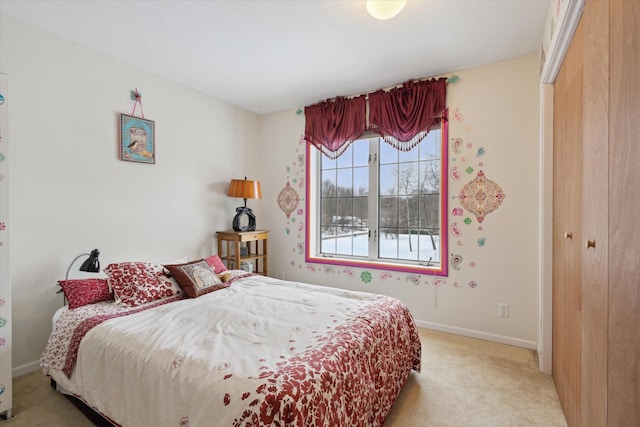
pixel 624 206
pixel 595 205
pixel 567 196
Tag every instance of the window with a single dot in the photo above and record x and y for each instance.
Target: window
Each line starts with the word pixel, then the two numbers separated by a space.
pixel 378 207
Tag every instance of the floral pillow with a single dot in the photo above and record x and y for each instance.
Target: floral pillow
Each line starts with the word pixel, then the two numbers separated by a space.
pixel 137 283
pixel 81 292
pixel 216 263
pixel 196 278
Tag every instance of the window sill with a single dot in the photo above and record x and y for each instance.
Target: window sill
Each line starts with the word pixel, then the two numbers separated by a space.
pixel 433 270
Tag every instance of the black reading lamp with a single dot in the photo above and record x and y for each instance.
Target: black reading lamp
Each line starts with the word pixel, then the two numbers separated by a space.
pixel 90 265
pixel 245 189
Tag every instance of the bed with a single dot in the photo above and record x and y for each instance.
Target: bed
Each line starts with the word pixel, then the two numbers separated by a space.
pixel 256 352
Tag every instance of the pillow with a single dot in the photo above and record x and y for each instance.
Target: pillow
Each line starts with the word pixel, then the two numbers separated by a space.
pixel 137 283
pixel 196 278
pixel 216 263
pixel 81 292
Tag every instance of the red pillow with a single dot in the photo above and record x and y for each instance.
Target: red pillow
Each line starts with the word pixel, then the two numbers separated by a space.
pixel 216 263
pixel 137 283
pixel 81 292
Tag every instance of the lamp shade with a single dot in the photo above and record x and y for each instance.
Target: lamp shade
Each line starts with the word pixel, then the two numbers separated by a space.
pixel 245 189
pixel 91 264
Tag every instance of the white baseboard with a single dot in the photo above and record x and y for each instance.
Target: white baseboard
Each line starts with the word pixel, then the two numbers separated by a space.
pixel 25 369
pixel 478 334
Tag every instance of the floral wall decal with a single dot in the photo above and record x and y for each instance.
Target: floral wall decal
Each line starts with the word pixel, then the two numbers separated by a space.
pixel 412 278
pixel 385 275
pixel 456 260
pixel 455 174
pixel 365 277
pixel 438 282
pixel 456 143
pixel 457 115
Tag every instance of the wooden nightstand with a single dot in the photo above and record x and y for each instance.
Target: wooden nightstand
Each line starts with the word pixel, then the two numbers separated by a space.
pixel 244 246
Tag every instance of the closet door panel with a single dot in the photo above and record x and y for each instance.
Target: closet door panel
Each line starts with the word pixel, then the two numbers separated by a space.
pixel 595 170
pixel 567 230
pixel 624 229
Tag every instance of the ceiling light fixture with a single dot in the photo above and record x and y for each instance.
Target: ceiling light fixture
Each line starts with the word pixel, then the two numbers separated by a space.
pixel 384 9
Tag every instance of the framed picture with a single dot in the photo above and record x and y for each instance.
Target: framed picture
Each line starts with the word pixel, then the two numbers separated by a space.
pixel 137 139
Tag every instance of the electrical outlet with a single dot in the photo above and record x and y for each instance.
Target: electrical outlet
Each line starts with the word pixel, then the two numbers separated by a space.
pixel 503 310
pixel 282 275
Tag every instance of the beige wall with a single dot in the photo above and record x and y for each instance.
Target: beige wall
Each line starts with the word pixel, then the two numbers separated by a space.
pixel 499 104
pixel 70 193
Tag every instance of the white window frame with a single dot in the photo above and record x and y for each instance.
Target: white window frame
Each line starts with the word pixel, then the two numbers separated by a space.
pixel 313 215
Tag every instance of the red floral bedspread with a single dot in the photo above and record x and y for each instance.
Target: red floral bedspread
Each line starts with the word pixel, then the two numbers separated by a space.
pixel 262 352
pixel 333 385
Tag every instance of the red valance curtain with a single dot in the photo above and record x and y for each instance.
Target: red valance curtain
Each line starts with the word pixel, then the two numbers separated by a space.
pixel 333 125
pixel 403 116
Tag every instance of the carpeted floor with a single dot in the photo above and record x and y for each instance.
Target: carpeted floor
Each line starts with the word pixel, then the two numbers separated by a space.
pixel 471 382
pixel 464 382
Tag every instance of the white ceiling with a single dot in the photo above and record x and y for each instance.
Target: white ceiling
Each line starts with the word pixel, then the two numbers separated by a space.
pixel 270 55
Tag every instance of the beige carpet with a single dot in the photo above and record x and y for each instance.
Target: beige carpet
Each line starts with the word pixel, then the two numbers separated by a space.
pixel 464 382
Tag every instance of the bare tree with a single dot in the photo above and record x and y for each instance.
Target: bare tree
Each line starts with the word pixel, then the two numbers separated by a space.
pixel 328 188
pixel 407 186
pixel 429 184
pixel 328 206
pixel 345 207
pixel 389 211
pixel 361 208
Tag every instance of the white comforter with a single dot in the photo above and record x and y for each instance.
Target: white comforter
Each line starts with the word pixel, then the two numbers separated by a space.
pixel 260 352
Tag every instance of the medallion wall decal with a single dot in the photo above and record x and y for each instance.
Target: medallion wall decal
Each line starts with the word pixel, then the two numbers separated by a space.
pixel 481 196
pixel 288 200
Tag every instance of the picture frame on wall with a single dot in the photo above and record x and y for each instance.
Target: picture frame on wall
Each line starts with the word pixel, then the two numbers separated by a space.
pixel 137 139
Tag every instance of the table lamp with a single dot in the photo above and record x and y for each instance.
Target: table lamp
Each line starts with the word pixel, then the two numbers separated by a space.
pixel 245 189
